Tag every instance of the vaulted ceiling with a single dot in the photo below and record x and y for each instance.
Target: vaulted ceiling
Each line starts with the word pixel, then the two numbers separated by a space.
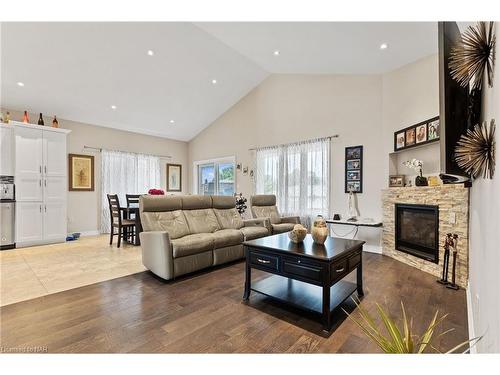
pixel 174 79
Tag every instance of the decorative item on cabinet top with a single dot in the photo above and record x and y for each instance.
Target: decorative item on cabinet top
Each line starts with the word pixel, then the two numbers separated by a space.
pixel 35 126
pixel 81 172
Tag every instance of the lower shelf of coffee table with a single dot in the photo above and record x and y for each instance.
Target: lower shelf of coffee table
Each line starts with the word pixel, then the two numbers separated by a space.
pixel 303 295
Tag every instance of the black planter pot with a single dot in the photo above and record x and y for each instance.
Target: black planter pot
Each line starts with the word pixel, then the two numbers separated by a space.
pixel 421 181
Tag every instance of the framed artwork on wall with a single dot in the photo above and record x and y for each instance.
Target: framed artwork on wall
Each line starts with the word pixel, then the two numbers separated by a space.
pixel 81 172
pixel 354 169
pixel 418 134
pixel 174 177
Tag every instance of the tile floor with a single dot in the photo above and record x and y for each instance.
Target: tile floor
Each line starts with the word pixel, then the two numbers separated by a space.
pixel 40 270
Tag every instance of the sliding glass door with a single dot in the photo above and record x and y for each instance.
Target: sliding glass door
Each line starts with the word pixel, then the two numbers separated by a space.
pixel 216 178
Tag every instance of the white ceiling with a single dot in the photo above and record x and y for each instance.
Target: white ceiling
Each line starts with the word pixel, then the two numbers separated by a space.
pixel 328 47
pixel 78 70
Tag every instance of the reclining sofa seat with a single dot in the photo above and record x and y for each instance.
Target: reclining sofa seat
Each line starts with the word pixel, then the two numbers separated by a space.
pixel 264 206
pixel 182 234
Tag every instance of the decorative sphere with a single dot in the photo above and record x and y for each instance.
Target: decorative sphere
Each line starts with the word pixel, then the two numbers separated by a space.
pixel 298 233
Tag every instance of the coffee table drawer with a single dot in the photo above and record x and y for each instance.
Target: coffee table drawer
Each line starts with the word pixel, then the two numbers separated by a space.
pixel 303 270
pixel 354 261
pixel 264 261
pixel 338 269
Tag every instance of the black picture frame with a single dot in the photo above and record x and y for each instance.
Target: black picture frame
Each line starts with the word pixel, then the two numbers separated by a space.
pixel 415 127
pixel 353 176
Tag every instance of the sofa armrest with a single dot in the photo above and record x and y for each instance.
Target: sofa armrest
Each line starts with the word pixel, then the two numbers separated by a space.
pixel 157 253
pixel 291 219
pixel 260 222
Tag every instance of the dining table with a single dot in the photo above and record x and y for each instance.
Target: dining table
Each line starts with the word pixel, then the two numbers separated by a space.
pixel 132 213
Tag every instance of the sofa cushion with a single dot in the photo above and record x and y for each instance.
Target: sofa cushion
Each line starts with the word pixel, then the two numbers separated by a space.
pixel 196 202
pixel 227 237
pixel 263 200
pixel 193 244
pixel 282 228
pixel 267 211
pixel 228 218
pixel 251 233
pixel 201 221
pixel 173 222
pixel 223 201
pixel 159 203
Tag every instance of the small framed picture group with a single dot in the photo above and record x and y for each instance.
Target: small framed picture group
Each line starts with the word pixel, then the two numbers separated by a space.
pixel 354 169
pixel 416 135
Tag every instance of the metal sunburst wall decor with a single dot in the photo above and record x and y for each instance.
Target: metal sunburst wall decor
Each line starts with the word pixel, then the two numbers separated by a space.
pixel 475 151
pixel 474 56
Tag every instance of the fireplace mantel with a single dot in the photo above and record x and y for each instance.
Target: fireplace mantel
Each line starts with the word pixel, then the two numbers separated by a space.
pixel 453 202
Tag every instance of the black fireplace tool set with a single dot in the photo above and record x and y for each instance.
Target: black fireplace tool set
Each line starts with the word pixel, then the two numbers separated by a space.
pixel 450 242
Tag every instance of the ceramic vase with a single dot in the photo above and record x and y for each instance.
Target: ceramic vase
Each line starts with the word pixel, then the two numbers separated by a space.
pixel 319 230
pixel 298 233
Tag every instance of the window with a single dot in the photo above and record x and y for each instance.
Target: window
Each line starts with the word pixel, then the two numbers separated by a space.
pixel 216 177
pixel 298 174
pixel 126 173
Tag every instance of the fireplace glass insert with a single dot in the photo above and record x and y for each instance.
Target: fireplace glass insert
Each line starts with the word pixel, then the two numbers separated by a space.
pixel 417 229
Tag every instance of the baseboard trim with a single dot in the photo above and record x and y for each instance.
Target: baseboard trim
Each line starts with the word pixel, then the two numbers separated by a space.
pixel 470 318
pixel 372 249
pixel 86 233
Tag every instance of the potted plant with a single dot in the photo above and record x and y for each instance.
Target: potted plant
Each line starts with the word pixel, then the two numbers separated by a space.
pixel 402 340
pixel 417 165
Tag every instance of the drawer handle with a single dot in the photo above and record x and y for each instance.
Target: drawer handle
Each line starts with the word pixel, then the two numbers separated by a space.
pixel 340 270
pixel 263 261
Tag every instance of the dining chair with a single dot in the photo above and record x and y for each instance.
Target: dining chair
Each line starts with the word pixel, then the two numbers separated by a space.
pixel 125 226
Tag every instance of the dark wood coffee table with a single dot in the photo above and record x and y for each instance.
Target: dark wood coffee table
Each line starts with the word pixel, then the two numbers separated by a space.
pixel 307 275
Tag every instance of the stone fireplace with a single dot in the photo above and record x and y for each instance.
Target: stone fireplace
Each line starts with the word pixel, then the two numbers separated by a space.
pixel 417 230
pixel 416 220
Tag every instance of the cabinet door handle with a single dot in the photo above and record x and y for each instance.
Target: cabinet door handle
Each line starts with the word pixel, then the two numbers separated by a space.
pixel 45 208
pixel 263 261
pixel 40 169
pixel 45 183
pixel 40 208
pixel 45 168
pixel 340 270
pixel 40 182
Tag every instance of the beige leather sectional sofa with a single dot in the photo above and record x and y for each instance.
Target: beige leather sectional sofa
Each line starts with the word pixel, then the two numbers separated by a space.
pixel 182 234
pixel 264 205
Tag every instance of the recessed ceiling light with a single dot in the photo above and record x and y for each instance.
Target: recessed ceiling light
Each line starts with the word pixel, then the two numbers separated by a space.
pixel 172 121
pixel 113 107
pixel 276 53
pixel 214 81
pixel 20 84
pixel 383 46
pixel 151 52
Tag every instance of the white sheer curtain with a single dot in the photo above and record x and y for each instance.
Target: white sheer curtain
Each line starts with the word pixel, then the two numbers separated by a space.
pixel 298 174
pixel 126 173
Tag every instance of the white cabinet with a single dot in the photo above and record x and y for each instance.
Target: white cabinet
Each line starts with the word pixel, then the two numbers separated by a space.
pixel 29 222
pixel 54 146
pixel 28 164
pixel 6 150
pixel 41 184
pixel 54 221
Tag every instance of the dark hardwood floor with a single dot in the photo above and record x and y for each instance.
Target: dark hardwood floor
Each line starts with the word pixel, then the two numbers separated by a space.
pixel 205 313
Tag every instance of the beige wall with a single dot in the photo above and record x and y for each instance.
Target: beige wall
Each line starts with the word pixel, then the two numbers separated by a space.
pixel 289 108
pixel 84 207
pixel 410 95
pixel 484 254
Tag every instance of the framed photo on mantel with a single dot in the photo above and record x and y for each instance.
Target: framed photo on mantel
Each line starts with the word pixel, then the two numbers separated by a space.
pixel 418 134
pixel 354 169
